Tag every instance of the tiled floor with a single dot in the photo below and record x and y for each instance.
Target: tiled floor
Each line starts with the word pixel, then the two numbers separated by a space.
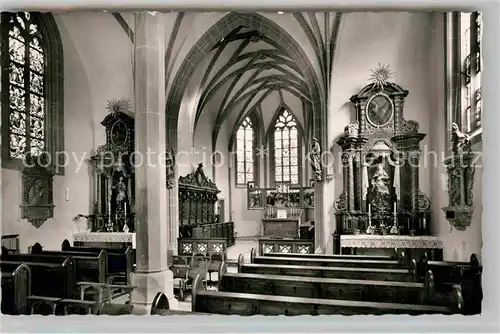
pixel 241 246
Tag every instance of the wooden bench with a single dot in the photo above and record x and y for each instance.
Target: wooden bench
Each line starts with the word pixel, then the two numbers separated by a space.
pixel 214 249
pixel 231 303
pixel 328 262
pixel 52 279
pixel 375 274
pixel 120 261
pixel 329 288
pixel 89 266
pixel 325 256
pixel 161 306
pixel 448 274
pixel 16 288
pixel 185 269
pixel 59 271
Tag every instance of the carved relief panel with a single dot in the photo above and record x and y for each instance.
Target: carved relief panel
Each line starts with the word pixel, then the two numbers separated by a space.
pixel 37 204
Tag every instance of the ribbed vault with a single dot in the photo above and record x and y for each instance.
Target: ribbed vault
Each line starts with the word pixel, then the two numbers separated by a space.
pixel 248 58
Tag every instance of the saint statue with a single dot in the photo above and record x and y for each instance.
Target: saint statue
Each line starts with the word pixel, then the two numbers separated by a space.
pixel 379 189
pixel 459 140
pixel 315 158
pixel 379 180
pixel 121 193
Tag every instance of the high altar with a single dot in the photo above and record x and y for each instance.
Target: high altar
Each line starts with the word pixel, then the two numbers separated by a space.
pixel 381 205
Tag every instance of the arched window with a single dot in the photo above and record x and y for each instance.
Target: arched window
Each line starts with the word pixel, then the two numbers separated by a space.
pixel 245 153
pixel 286 149
pixel 470 55
pixel 32 86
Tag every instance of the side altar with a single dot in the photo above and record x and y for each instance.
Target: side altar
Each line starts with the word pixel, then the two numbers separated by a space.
pixel 381 195
pixel 111 224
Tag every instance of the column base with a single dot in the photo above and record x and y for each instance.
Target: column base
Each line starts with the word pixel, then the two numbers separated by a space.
pixel 148 285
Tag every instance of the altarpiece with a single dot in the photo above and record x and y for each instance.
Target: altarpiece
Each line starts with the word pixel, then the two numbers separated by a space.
pixel 380 158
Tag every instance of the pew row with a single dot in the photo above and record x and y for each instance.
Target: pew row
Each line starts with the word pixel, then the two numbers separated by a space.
pixel 329 288
pixel 352 263
pixel 120 261
pixel 375 274
pixel 448 274
pixel 89 266
pixel 161 306
pixel 186 269
pixel 231 303
pixel 253 253
pixel 16 288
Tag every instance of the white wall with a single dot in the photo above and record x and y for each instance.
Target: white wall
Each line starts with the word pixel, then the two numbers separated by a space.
pixel 93 74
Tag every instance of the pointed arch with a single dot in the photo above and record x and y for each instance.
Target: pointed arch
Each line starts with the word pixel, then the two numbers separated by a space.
pixel 285 140
pixel 246 165
pixel 219 31
pixel 32 87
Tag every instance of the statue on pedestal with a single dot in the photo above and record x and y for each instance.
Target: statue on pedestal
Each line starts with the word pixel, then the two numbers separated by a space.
pixel 459 141
pixel 121 194
pixel 315 158
pixel 380 193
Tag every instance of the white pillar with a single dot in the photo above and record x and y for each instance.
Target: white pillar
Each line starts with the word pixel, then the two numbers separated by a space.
pixel 152 236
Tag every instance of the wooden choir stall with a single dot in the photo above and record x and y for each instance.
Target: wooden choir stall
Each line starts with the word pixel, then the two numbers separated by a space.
pixel 382 205
pixel 197 216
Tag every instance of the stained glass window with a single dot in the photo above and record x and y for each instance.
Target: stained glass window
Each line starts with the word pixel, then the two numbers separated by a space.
pixel 286 149
pixel 470 52
pixel 245 151
pixel 26 85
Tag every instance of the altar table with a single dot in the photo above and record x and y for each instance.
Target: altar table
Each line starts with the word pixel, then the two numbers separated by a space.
pixel 104 239
pixel 416 244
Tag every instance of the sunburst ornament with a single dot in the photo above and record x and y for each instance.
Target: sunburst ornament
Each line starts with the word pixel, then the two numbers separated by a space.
pixel 381 75
pixel 117 106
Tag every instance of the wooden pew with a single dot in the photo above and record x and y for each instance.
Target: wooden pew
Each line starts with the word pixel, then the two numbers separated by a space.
pixel 89 266
pixel 59 271
pixel 185 270
pixel 232 303
pixel 214 249
pixel 52 278
pixel 161 306
pixel 328 256
pixel 16 288
pixel 328 262
pixel 328 288
pixel 120 262
pixel 375 274
pixel 448 274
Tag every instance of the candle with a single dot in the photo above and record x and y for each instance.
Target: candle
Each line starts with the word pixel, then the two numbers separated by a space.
pixel 369 208
pixel 395 207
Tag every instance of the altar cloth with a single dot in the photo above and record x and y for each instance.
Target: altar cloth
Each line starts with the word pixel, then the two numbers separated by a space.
pixel 111 237
pixel 390 241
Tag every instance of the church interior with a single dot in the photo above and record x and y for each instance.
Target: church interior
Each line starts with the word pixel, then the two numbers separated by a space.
pixel 270 163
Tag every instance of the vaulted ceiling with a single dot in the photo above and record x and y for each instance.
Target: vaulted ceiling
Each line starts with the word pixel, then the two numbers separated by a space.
pixel 248 71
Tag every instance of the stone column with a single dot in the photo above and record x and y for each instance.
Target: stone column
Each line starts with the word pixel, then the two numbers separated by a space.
pixel 152 237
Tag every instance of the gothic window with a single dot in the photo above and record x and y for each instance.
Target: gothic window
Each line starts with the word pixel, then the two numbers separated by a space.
pixel 286 149
pixel 31 86
pixel 470 54
pixel 245 153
